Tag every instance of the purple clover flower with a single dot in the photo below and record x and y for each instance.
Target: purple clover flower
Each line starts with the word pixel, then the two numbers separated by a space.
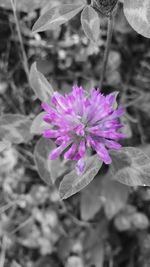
pixel 78 122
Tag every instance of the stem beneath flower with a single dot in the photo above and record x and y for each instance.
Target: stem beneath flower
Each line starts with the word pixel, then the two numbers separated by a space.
pixel 107 48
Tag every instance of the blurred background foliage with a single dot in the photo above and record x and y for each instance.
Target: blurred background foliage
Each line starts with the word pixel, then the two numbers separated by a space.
pixel 104 225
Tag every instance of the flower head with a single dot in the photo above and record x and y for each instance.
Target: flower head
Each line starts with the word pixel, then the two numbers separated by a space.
pixel 78 122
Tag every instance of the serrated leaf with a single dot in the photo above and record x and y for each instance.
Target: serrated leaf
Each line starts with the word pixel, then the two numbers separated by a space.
pixel 38 124
pixel 73 183
pixel 57 16
pixel 41 87
pixel 137 13
pixel 90 23
pixel 41 157
pixel 131 166
pixel 15 128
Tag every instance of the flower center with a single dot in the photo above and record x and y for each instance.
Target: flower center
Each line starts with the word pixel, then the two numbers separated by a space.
pixel 80 129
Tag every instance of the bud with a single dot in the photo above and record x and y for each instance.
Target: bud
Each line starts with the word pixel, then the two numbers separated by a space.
pixel 105 7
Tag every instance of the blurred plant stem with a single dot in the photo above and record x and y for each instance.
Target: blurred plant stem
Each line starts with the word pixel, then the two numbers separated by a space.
pixel 3 251
pixel 24 57
pixel 107 48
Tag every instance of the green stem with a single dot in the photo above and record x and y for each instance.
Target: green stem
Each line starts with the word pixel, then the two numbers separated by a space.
pixel 107 48
pixel 25 61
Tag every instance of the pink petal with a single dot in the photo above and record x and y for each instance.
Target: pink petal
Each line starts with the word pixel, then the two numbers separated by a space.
pixel 82 148
pixel 70 153
pixel 102 152
pixel 48 133
pixel 79 129
pixel 57 151
pixel 80 166
pixel 112 144
pixel 46 107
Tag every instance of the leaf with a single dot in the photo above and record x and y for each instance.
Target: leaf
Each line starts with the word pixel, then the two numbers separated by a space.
pixel 114 196
pixel 41 158
pixel 137 13
pixel 126 130
pixel 131 166
pixel 146 149
pixel 57 16
pixel 90 23
pixel 15 128
pixel 49 170
pixel 90 199
pixel 4 145
pixel 41 87
pixel 57 169
pixel 38 124
pixel 73 183
pixel 102 191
